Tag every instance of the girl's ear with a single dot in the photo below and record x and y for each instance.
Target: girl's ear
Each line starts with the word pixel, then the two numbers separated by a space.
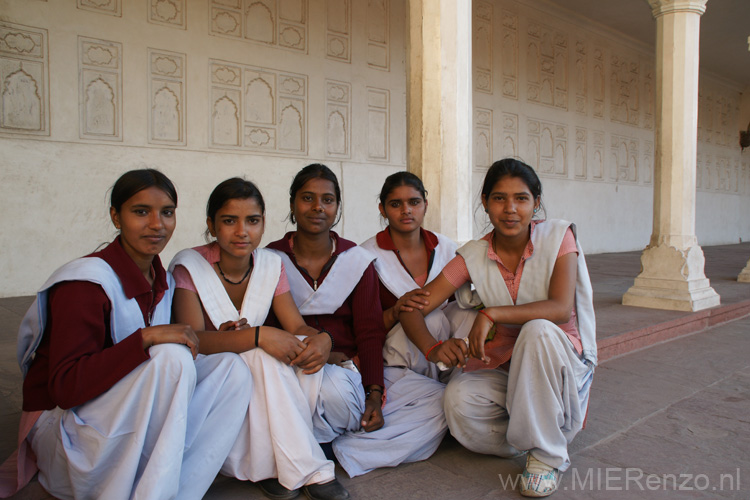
pixel 211 228
pixel 382 210
pixel 484 202
pixel 115 217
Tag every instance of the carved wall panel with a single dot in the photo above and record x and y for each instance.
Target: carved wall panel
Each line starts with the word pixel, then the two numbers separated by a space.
pixel 23 80
pixel 168 13
pixel 278 23
pixel 510 55
pixel 257 109
pixel 625 106
pixel 648 163
pixel 580 159
pixel 109 7
pixel 547 66
pixel 167 90
pixel 482 138
pixel 510 135
pixel 581 77
pixel 338 118
pixel 100 91
pixel 598 83
pixel 649 107
pixel 378 124
pixel 482 47
pixel 338 30
pixel 378 37
pixel 547 147
pixel 597 164
pixel 623 158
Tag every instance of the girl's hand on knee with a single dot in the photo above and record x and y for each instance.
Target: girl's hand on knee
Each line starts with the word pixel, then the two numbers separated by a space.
pixel 372 418
pixel 282 345
pixel 478 335
pixel 170 334
pixel 316 353
pixel 452 352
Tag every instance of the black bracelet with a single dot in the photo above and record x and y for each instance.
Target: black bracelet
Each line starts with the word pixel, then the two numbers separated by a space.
pixel 257 335
pixel 370 391
pixel 330 335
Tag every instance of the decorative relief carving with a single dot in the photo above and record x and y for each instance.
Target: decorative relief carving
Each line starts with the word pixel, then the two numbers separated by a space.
pixel 624 159
pixel 100 91
pixel 257 109
pixel 109 7
pixel 648 163
pixel 580 159
pixel 23 80
pixel 581 77
pixel 378 34
pixel 510 55
pixel 378 124
pixel 597 163
pixel 338 118
pixel 510 135
pixel 482 47
pixel 648 95
pixel 278 23
pixel 167 13
pixel 482 138
pixel 167 97
pixel 547 66
pixel 625 100
pixel 547 147
pixel 339 26
pixel 598 83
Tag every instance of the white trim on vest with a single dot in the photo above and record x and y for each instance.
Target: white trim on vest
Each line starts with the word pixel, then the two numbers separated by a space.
pixel 392 274
pixel 338 284
pixel 125 318
pixel 259 294
pixel 537 273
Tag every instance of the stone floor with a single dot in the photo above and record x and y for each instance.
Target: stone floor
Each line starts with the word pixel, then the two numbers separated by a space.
pixel 667 419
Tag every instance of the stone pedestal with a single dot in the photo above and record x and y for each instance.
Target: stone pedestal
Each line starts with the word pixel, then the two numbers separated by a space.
pixel 439 110
pixel 744 276
pixel 672 275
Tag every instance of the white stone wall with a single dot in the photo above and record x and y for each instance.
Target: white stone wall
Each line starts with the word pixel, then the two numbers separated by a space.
pixel 202 90
pixel 208 89
pixel 577 102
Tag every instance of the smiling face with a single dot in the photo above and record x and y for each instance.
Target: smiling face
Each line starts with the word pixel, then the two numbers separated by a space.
pixel 404 208
pixel 315 206
pixel 238 226
pixel 146 222
pixel 510 206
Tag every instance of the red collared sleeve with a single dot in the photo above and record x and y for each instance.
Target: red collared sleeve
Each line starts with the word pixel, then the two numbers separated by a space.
pixel 76 359
pixel 369 331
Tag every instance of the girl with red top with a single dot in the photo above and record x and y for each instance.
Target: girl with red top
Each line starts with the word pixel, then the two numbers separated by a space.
pixel 225 291
pixel 118 405
pixel 335 287
pixel 526 390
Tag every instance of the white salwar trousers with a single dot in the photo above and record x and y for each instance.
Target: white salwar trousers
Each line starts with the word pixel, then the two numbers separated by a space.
pixel 539 405
pixel 162 432
pixel 414 426
pixel 277 438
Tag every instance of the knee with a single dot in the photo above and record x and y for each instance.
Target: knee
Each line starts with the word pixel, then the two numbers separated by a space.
pixel 536 332
pixel 338 389
pixel 458 393
pixel 174 361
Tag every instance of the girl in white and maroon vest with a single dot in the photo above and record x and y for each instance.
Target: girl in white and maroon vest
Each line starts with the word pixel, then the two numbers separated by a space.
pixel 526 389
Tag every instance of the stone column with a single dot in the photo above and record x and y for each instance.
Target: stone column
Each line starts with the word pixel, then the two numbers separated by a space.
pixel 439 110
pixel 744 276
pixel 672 275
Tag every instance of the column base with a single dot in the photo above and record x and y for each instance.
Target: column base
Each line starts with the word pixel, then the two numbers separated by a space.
pixel 672 279
pixel 744 276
